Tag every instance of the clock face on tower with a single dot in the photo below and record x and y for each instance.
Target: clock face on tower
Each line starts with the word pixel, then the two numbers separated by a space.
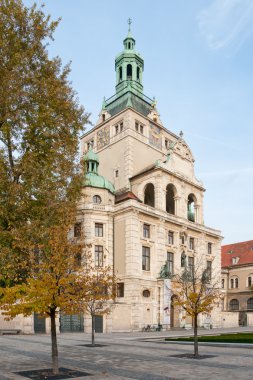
pixel 103 137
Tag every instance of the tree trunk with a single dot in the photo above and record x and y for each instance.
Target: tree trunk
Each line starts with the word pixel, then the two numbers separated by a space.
pixel 55 364
pixel 196 346
pixel 93 330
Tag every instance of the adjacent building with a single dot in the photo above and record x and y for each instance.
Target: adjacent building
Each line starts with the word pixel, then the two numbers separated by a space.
pixel 237 282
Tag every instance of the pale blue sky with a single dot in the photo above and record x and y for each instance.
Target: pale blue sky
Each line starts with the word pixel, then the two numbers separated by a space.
pixel 198 64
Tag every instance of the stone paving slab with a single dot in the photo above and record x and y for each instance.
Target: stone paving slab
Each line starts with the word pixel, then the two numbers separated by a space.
pixel 124 357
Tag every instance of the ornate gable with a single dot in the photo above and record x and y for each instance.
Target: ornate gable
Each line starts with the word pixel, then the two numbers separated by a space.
pixel 182 149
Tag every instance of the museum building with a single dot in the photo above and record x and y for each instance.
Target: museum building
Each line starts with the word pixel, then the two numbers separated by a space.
pixel 142 206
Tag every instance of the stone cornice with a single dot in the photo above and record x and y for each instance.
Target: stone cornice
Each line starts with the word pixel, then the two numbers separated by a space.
pixel 132 205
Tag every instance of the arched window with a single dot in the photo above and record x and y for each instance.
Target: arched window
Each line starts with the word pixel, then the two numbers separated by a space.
pixel 149 195
pixel 236 283
pixel 231 283
pixel 138 73
pixel 170 203
pixel 250 303
pixel 120 73
pixel 234 304
pixel 97 199
pixel 191 208
pixel 129 72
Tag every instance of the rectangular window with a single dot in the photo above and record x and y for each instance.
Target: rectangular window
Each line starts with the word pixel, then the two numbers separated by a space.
pixel 191 243
pixel 116 129
pixel 166 143
pixel 141 129
pixel 249 282
pixel 191 265
pixel 146 258
pixel 137 127
pixel 98 229
pixel 99 255
pixel 120 289
pixel 209 248
pixel 77 230
pixel 121 127
pixel 170 262
pixel 116 173
pixel 171 237
pixel 209 269
pixel 78 259
pixel 182 239
pixel 146 231
pixel 90 144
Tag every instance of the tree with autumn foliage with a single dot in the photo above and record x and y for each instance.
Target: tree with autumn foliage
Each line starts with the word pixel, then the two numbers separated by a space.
pixel 40 124
pixel 40 178
pixel 196 291
pixel 50 284
pixel 95 291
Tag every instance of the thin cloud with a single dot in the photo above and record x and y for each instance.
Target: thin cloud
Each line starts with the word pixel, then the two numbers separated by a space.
pixel 226 23
pixel 212 140
pixel 228 172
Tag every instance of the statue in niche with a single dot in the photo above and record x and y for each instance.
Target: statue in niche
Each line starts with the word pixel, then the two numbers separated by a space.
pixel 183 260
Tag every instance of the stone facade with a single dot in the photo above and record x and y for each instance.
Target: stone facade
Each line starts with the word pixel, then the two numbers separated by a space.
pixel 155 215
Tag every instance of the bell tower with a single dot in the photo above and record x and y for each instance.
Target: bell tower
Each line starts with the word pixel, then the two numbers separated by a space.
pixel 129 67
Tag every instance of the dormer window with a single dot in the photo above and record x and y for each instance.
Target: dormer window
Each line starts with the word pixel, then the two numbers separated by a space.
pixel 235 260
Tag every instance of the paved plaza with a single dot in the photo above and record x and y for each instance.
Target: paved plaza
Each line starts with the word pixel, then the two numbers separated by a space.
pixel 142 356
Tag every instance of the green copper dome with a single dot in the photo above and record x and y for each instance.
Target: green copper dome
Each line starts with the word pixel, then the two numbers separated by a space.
pixel 91 156
pixel 96 180
pixel 91 177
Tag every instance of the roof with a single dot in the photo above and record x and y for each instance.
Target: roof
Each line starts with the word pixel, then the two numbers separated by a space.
pixel 91 156
pixel 96 180
pixel 122 197
pixel 243 251
pixel 116 104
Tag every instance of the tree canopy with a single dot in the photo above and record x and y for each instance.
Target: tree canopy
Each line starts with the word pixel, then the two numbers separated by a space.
pixel 40 124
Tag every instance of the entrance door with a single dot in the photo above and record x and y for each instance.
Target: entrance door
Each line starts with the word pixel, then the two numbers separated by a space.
pixel 71 323
pixel 242 318
pixel 39 324
pixel 98 323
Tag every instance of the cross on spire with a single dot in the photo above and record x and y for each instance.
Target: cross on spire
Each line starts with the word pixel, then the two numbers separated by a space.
pixel 129 21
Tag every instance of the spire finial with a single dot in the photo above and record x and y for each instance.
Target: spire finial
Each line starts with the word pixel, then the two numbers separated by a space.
pixel 129 21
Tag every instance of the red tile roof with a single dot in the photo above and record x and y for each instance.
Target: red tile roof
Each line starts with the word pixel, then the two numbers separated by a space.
pixel 125 196
pixel 243 250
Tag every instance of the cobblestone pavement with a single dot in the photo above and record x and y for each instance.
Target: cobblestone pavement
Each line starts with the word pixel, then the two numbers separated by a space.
pixel 141 356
